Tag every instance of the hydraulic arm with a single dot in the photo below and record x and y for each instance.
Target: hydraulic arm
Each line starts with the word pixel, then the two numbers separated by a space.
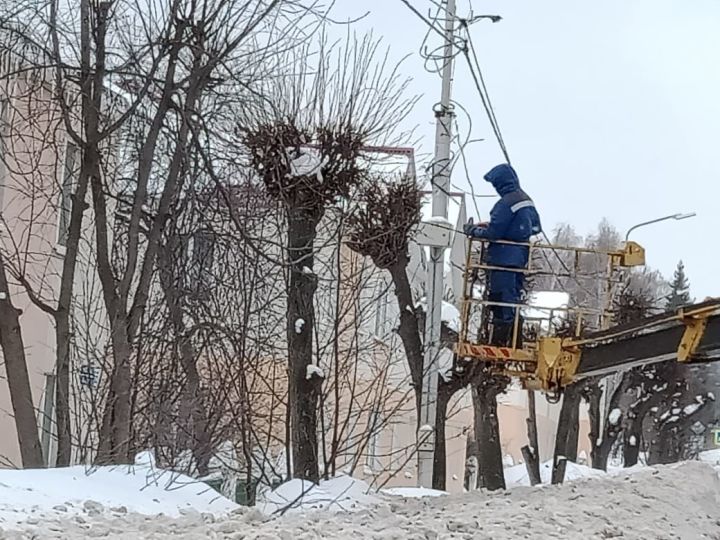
pixel 692 334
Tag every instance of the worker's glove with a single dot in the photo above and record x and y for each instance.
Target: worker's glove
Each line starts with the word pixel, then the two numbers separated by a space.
pixel 468 228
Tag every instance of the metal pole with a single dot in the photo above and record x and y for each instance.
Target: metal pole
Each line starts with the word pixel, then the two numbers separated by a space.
pixel 433 318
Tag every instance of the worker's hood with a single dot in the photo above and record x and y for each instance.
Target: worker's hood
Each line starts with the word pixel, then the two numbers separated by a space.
pixel 503 178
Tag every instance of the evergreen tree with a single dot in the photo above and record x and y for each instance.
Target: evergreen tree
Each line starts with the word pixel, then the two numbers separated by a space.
pixel 679 289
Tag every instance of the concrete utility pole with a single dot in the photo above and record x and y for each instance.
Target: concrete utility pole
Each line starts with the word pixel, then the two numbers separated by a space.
pixel 434 283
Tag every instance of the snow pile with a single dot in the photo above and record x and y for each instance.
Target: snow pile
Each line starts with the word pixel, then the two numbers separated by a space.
pixel 299 325
pixel 413 493
pixel 143 489
pixel 681 502
pixel 614 416
pixel 342 493
pixel 518 476
pixel 691 409
pixel 711 456
pixel 449 314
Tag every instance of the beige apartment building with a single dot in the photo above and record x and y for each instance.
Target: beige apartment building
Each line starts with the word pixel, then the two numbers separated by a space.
pixel 34 150
pixel 39 165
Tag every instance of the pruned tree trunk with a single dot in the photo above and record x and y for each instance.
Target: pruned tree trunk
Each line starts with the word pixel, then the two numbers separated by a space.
pixel 665 448
pixel 566 439
pixel 445 393
pixel 603 445
pixel 18 379
pixel 487 431
pixel 633 428
pixel 439 461
pixel 408 329
pixel 303 391
pixel 531 452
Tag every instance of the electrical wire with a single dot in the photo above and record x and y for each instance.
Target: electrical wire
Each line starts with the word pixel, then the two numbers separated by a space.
pixel 466 47
pixel 491 111
pixel 430 24
pixel 481 87
pixel 461 45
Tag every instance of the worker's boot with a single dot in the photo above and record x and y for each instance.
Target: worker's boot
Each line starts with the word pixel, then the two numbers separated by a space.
pixel 519 339
pixel 501 335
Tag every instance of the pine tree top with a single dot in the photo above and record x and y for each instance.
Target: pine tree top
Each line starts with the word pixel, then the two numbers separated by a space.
pixel 679 289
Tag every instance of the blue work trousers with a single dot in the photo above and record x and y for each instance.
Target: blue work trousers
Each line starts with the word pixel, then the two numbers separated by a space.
pixel 506 287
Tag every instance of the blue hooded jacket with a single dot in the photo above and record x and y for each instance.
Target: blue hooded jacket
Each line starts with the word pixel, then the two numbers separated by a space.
pixel 513 218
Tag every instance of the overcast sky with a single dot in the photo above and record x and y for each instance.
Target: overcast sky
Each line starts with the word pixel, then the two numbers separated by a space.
pixel 608 109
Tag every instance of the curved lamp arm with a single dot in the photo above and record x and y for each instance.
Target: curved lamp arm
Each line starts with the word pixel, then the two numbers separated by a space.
pixel 676 217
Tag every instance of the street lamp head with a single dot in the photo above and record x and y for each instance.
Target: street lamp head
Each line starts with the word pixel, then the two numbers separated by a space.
pixel 492 18
pixel 676 217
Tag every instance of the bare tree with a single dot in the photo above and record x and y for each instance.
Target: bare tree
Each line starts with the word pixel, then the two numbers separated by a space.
pixel 307 148
pixel 382 228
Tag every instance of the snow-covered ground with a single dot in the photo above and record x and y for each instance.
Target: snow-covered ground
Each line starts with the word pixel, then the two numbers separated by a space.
pixel 674 502
pixel 39 496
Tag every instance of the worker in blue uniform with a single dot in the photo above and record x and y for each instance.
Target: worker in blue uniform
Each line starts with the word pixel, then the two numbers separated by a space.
pixel 513 219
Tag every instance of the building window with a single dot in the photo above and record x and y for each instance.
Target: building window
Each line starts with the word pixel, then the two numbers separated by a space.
pixel 70 172
pixel 201 255
pixel 89 375
pixel 372 459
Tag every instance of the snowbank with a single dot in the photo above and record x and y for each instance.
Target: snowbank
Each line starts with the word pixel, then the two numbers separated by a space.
pixel 143 489
pixel 680 502
pixel 413 493
pixel 711 456
pixel 343 493
pixel 518 476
